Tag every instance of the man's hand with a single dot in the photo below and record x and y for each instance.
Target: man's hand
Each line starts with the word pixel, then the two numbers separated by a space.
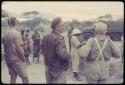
pixel 23 59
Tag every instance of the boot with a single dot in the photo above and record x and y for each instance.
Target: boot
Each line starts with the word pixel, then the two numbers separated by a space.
pixel 76 76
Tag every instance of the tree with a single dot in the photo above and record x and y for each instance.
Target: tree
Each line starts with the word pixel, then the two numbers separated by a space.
pixel 4 14
pixel 106 17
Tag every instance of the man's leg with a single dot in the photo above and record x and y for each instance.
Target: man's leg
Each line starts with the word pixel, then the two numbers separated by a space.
pixel 27 59
pixel 92 81
pixel 34 53
pixel 37 60
pixel 105 81
pixel 23 74
pixel 37 54
pixel 13 75
pixel 13 79
pixel 25 80
pixel 20 69
pixel 60 79
pixel 33 59
pixel 48 76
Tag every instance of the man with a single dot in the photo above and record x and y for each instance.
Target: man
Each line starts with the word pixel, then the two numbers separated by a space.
pixel 14 53
pixel 24 42
pixel 28 48
pixel 26 45
pixel 55 53
pixel 36 45
pixel 75 43
pixel 97 52
pixel 122 46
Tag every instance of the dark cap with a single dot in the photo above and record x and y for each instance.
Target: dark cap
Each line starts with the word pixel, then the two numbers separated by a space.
pixel 55 22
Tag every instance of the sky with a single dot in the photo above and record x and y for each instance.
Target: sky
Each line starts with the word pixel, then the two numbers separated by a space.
pixel 81 10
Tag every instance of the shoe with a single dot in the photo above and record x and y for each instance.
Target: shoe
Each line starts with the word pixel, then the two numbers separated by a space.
pixel 76 76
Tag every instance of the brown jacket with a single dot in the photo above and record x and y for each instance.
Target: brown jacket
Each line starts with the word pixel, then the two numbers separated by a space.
pixel 54 51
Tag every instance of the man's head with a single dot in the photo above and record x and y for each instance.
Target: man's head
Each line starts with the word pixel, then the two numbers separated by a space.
pixel 100 28
pixel 13 22
pixel 57 24
pixel 76 31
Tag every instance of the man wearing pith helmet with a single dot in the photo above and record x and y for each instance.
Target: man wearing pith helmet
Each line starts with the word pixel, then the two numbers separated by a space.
pixel 55 53
pixel 75 43
pixel 97 52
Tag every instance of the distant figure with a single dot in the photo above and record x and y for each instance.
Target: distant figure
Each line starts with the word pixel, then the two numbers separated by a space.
pixel 14 53
pixel 36 45
pixel 75 43
pixel 55 54
pixel 27 49
pixel 2 51
pixel 122 46
pixel 28 40
pixel 97 52
pixel 24 41
pixel 28 46
pixel 25 46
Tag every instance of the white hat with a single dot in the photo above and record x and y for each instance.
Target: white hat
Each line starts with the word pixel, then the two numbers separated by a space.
pixel 76 31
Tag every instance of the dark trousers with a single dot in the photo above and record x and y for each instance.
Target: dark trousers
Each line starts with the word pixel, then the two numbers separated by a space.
pixel 51 79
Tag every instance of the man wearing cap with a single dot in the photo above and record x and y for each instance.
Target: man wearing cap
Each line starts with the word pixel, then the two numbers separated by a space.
pixel 97 52
pixel 14 53
pixel 55 53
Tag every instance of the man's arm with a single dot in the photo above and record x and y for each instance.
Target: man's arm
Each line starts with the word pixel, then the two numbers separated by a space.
pixel 19 42
pixel 85 49
pixel 115 51
pixel 75 41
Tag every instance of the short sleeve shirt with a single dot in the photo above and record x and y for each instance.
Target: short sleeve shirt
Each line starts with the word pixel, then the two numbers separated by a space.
pixel 12 41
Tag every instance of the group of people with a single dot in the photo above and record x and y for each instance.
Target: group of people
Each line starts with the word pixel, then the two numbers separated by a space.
pixel 96 52
pixel 36 38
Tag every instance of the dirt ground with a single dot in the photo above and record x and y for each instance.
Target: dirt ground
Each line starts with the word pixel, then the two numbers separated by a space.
pixel 36 72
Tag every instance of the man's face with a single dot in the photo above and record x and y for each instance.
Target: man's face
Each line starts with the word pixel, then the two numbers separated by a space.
pixel 60 27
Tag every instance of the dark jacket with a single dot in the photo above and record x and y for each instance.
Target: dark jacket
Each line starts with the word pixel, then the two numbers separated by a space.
pixel 54 51
pixel 36 39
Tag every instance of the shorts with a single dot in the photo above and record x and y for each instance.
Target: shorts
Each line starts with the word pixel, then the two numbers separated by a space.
pixel 17 67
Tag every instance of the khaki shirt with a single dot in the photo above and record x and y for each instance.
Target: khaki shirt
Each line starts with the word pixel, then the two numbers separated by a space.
pixel 12 43
pixel 91 49
pixel 98 68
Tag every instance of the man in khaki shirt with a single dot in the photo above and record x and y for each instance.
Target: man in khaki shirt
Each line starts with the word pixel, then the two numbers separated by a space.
pixel 14 53
pixel 97 53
